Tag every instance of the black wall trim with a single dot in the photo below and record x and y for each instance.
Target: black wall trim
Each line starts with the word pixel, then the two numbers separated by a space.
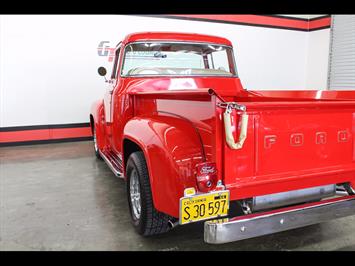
pixel 285 17
pixel 237 23
pixel 295 18
pixel 247 24
pixel 325 16
pixel 320 28
pixel 21 128
pixel 48 141
pixel 227 22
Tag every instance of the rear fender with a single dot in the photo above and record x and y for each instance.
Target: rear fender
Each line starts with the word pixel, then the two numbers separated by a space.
pixel 172 148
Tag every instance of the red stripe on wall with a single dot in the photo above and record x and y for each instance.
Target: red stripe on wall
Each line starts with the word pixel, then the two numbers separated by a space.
pixel 44 134
pixel 319 23
pixel 281 22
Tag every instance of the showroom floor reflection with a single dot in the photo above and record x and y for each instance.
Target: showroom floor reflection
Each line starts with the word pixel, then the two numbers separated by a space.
pixel 60 197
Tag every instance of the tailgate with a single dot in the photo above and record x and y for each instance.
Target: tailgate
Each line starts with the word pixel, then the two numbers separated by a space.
pixel 288 140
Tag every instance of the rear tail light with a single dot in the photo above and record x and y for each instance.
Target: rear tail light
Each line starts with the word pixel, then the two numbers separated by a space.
pixel 206 176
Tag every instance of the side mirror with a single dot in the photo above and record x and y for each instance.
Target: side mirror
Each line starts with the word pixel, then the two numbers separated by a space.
pixel 102 71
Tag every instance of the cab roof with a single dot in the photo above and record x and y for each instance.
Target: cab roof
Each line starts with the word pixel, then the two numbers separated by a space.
pixel 175 36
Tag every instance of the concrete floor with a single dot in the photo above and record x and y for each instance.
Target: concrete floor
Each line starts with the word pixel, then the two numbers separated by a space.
pixel 59 197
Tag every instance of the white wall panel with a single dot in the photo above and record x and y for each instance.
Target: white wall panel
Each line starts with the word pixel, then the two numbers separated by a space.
pixel 2 91
pixel 317 59
pixel 49 63
pixel 342 56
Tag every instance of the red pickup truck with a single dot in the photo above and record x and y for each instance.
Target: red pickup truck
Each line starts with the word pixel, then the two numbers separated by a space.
pixel 194 145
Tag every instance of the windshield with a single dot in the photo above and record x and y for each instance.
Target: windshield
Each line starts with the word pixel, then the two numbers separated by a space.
pixel 174 59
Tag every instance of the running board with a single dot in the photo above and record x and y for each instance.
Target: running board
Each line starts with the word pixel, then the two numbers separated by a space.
pixel 114 163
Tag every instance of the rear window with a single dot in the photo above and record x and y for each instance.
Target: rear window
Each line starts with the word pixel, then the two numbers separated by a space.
pixel 157 58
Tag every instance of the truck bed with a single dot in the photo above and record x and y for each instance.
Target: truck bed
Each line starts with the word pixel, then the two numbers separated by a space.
pixel 294 140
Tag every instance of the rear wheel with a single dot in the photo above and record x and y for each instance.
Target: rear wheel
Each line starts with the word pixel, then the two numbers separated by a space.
pixel 145 218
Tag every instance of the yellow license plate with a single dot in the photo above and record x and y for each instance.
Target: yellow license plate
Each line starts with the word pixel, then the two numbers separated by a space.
pixel 203 206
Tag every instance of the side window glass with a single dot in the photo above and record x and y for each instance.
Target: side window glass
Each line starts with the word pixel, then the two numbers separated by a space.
pixel 115 65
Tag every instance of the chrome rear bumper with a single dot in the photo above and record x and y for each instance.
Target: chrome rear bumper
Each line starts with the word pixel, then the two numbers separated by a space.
pixel 258 224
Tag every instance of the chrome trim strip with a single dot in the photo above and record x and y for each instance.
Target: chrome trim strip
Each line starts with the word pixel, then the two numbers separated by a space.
pixel 218 232
pixel 108 162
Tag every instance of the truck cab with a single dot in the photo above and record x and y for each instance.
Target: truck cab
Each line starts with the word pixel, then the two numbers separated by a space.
pixel 193 145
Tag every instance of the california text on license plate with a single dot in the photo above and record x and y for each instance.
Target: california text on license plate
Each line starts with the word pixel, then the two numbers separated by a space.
pixel 203 206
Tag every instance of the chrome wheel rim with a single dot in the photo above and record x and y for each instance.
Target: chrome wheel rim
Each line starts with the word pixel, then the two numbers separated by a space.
pixel 95 142
pixel 135 195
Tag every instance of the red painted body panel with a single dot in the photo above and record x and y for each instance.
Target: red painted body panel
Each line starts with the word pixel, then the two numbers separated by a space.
pixel 295 139
pixel 97 115
pixel 171 148
pixel 305 150
pixel 44 134
pixel 175 36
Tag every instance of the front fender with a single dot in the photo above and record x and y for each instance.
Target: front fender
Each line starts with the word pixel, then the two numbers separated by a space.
pixel 172 147
pixel 97 113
